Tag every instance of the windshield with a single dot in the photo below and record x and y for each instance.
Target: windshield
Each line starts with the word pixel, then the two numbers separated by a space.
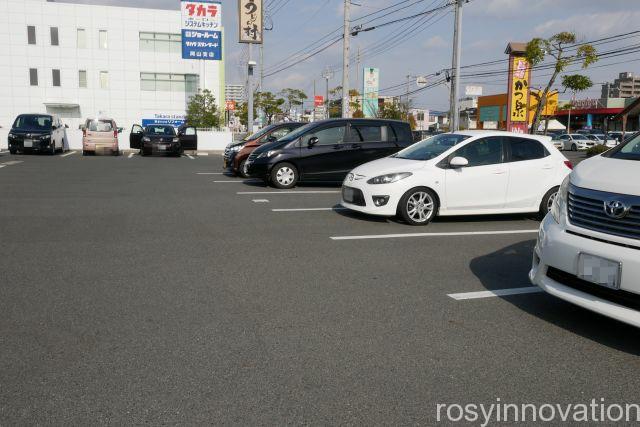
pixel 99 126
pixel 296 133
pixel 161 130
pixel 431 147
pixel 259 133
pixel 629 150
pixel 33 122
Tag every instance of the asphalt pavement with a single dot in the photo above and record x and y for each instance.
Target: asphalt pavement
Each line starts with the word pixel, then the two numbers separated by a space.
pixel 160 291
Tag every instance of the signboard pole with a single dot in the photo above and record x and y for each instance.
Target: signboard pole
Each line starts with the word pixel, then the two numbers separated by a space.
pixel 250 94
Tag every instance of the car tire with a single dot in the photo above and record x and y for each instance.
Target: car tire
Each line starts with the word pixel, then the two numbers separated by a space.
pixel 240 171
pixel 547 202
pixel 13 151
pixel 418 206
pixel 574 147
pixel 284 175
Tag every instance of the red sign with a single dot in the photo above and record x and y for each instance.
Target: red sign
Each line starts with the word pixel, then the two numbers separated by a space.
pixel 230 105
pixel 318 101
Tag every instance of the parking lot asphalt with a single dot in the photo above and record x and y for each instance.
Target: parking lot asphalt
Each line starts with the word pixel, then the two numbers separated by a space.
pixel 158 290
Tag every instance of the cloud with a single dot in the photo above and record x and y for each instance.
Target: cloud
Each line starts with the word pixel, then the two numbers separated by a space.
pixel 435 42
pixel 595 24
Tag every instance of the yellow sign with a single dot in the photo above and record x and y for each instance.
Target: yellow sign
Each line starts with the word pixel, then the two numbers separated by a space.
pixel 519 89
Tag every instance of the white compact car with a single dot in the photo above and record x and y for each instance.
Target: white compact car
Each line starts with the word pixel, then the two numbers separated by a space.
pixel 588 248
pixel 461 173
pixel 575 142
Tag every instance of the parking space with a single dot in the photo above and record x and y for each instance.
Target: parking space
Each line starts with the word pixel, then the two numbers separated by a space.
pixel 145 281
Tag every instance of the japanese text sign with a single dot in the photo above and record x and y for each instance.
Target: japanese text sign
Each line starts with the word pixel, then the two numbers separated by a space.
pixel 370 83
pixel 519 89
pixel 201 30
pixel 318 100
pixel 250 25
pixel 230 105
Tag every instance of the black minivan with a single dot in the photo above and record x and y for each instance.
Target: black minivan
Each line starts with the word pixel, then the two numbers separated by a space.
pixel 327 150
pixel 43 133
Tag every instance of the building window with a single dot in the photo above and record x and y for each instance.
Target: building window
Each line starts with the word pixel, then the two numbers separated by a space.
pixel 82 78
pixel 33 76
pixel 31 34
pixel 54 36
pixel 55 77
pixel 104 80
pixel 102 39
pixel 82 38
pixel 421 116
pixel 164 82
pixel 160 42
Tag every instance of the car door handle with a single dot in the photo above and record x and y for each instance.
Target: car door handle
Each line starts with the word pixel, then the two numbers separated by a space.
pixel 547 167
pixel 356 146
pixel 499 171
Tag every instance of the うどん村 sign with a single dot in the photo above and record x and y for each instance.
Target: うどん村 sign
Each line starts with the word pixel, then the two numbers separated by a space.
pixel 201 29
pixel 250 16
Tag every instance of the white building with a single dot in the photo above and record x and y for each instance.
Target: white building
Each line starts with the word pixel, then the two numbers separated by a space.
pixel 235 93
pixel 81 60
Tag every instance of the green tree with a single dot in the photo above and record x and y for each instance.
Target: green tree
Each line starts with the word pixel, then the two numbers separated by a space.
pixel 392 110
pixel 270 104
pixel 202 110
pixel 293 97
pixel 539 49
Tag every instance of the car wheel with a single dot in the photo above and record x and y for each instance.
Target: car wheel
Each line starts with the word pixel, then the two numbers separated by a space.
pixel 574 147
pixel 13 151
pixel 418 206
pixel 547 202
pixel 284 175
pixel 240 171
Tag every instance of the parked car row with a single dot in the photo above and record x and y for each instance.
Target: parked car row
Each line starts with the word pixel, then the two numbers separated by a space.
pixel 583 141
pixel 45 133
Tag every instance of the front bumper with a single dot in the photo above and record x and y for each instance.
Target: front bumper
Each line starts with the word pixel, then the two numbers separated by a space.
pixel 259 168
pixel 37 145
pixel 556 255
pixel 161 148
pixel 368 191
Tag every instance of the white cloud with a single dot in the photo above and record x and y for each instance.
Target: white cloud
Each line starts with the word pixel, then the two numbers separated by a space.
pixel 435 42
pixel 595 24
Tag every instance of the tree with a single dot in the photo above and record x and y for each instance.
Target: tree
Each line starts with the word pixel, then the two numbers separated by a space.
pixel 294 97
pixel 271 105
pixel 392 110
pixel 202 110
pixel 539 49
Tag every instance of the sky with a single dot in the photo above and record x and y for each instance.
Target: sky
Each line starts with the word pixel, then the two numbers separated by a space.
pixel 420 46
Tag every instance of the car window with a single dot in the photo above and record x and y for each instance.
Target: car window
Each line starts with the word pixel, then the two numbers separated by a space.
pixel 327 136
pixel 190 131
pixel 99 125
pixel 403 132
pixel 628 150
pixel 161 130
pixel 369 133
pixel 526 149
pixel 431 147
pixel 33 122
pixel 280 132
pixel 485 151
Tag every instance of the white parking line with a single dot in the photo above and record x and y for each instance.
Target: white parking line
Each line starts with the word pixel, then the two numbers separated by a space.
pixel 308 209
pixel 496 293
pixel 246 181
pixel 190 156
pixel 260 201
pixel 1 166
pixel 131 155
pixel 200 153
pixel 210 173
pixel 70 153
pixel 12 162
pixel 287 192
pixel 461 233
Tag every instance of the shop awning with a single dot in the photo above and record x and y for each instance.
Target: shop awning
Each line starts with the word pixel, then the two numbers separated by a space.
pixel 61 105
pixel 583 112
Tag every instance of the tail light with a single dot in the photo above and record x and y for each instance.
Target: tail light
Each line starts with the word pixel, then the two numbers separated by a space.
pixel 568 164
pixel 115 133
pixel 84 131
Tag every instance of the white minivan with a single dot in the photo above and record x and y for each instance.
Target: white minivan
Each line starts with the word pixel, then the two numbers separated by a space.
pixel 588 247
pixel 461 173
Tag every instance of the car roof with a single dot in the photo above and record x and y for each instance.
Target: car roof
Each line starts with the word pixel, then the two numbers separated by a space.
pixel 360 119
pixel 482 132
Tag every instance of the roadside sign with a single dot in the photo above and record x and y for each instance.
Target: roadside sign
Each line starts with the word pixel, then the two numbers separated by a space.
pixel 201 29
pixel 421 81
pixel 230 105
pixel 318 100
pixel 473 90
pixel 250 24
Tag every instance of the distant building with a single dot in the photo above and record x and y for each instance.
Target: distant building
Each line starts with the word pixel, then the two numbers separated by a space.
pixel 627 85
pixel 235 93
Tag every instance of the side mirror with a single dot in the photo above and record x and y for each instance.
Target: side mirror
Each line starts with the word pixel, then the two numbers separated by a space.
pixel 458 162
pixel 271 138
pixel 66 126
pixel 120 130
pixel 312 141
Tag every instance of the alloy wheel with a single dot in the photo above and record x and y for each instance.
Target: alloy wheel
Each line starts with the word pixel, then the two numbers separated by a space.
pixel 420 206
pixel 552 198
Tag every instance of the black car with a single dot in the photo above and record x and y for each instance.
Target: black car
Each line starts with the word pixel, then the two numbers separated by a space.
pixel 327 150
pixel 43 133
pixel 163 139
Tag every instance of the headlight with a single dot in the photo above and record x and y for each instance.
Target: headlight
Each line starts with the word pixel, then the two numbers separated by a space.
pixel 389 178
pixel 11 136
pixel 146 139
pixel 559 207
pixel 237 148
pixel 45 137
pixel 268 154
pixel 175 140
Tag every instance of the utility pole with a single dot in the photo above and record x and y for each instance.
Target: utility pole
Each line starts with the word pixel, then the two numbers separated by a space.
pixel 454 119
pixel 327 74
pixel 345 60
pixel 250 65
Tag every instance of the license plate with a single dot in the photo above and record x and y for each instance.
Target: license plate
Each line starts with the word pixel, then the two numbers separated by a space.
pixel 600 271
pixel 347 194
pixel 162 147
pixel 28 143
